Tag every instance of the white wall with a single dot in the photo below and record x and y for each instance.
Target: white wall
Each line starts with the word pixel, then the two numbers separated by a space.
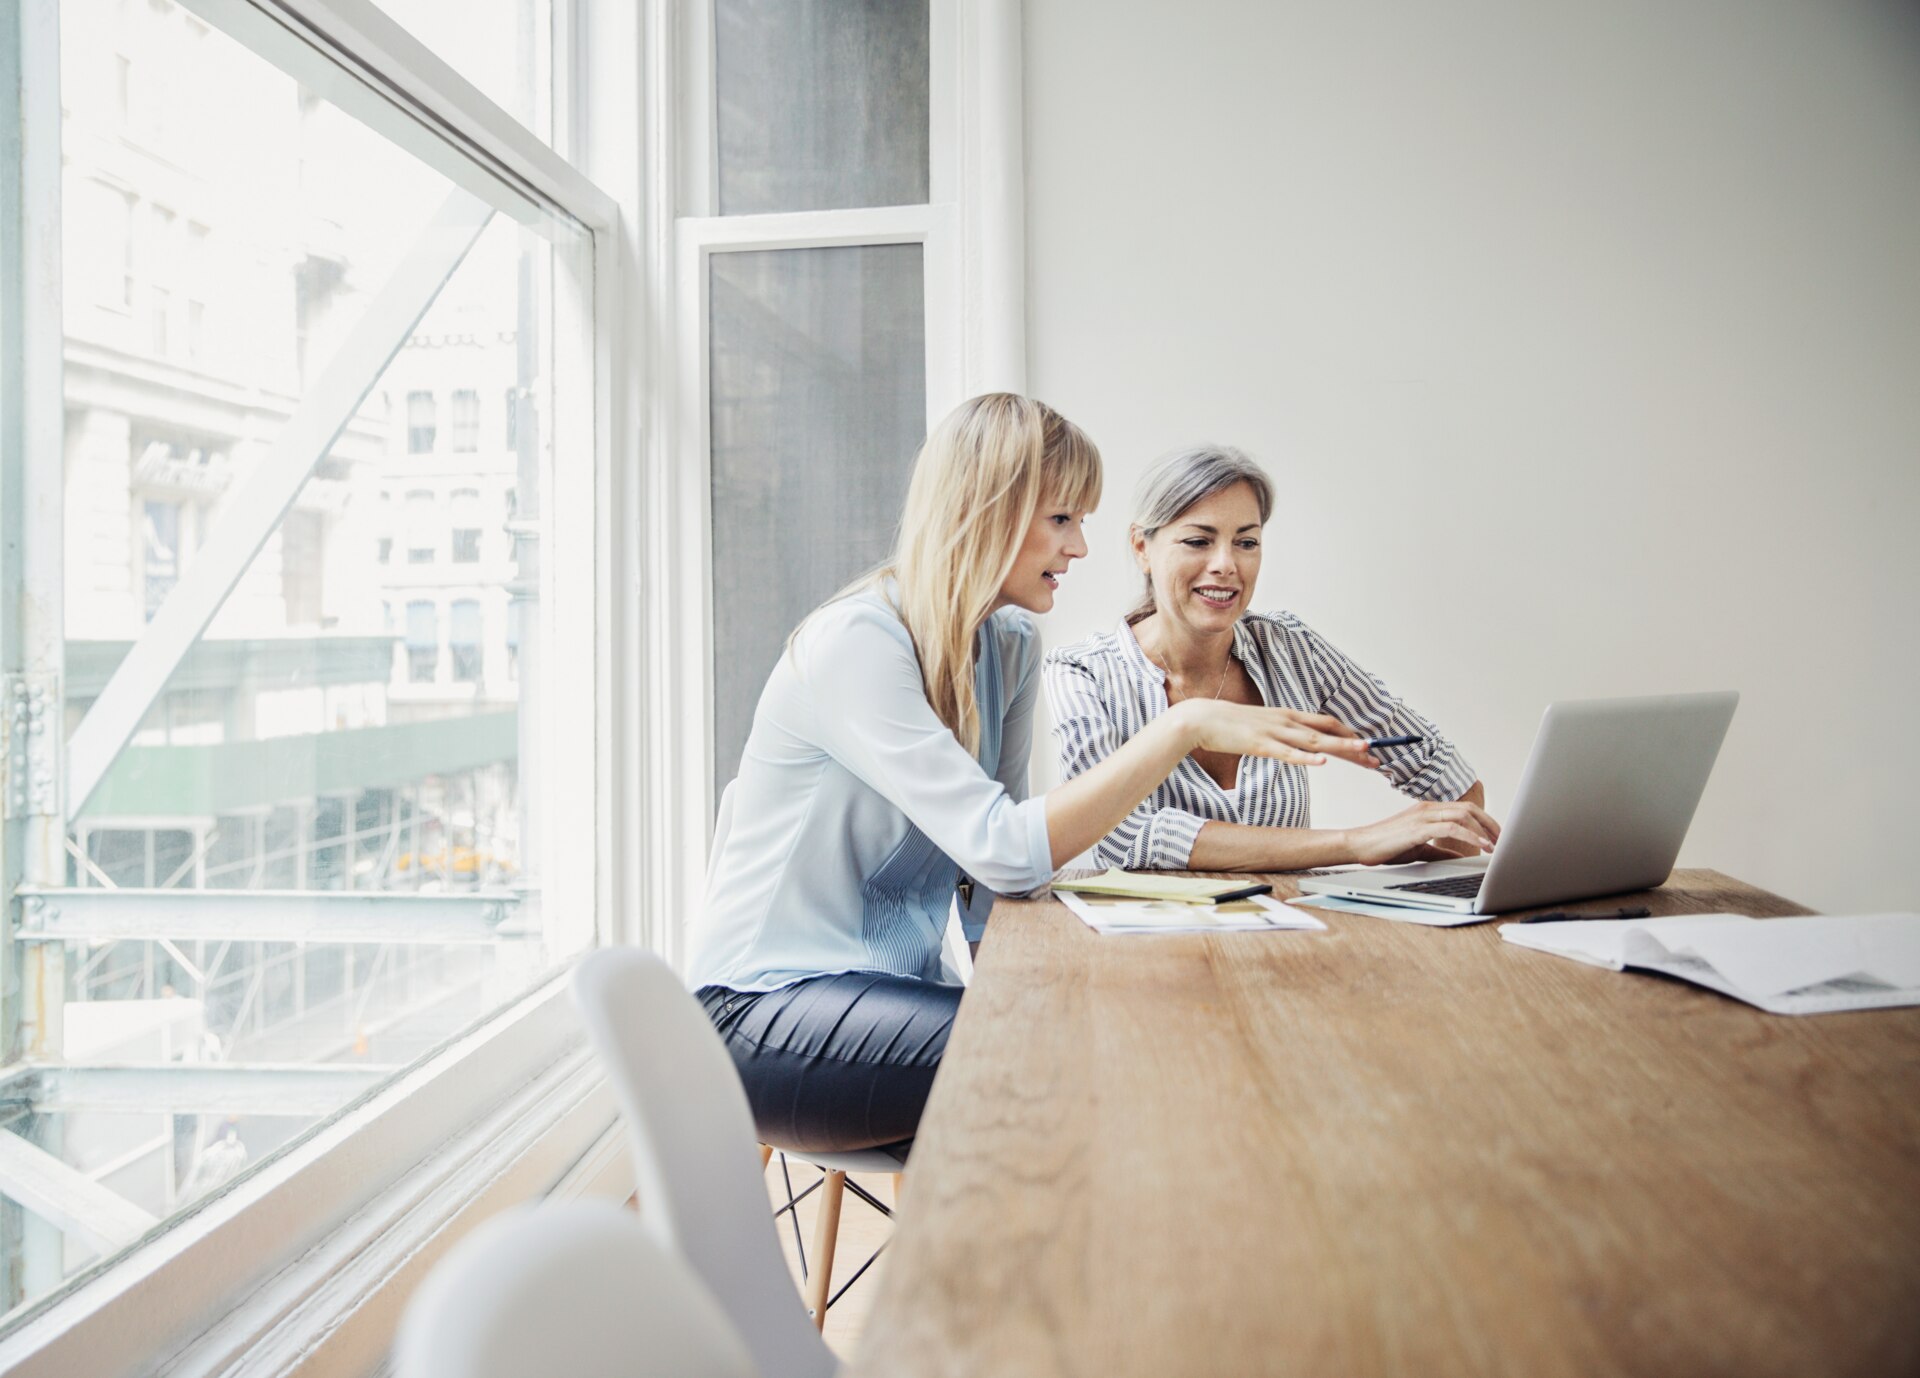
pixel 1583 341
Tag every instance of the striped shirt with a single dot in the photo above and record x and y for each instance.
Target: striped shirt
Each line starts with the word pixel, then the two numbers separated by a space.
pixel 1104 689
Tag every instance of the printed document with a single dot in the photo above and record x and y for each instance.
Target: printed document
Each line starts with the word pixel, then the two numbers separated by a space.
pixel 1814 965
pixel 1113 914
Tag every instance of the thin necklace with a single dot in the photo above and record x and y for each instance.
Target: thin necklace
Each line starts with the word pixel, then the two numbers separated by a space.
pixel 1216 688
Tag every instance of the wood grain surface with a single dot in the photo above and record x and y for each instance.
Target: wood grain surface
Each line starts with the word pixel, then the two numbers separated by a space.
pixel 1395 1149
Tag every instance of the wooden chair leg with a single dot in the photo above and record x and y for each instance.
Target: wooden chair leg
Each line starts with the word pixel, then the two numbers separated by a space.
pixel 766 1156
pixel 826 1232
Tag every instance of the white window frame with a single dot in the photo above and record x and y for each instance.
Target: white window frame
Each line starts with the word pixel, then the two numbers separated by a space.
pixel 972 235
pixel 297 1267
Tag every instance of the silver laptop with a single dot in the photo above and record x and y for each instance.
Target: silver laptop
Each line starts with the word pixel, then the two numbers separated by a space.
pixel 1603 805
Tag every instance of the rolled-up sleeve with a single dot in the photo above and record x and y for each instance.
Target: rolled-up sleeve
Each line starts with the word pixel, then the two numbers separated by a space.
pixel 1152 837
pixel 1433 769
pixel 870 713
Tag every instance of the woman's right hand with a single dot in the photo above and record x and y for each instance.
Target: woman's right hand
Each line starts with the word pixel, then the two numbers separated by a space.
pixel 1303 739
pixel 1429 831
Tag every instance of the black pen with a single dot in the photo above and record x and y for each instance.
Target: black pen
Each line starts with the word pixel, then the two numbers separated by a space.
pixel 1374 742
pixel 1246 892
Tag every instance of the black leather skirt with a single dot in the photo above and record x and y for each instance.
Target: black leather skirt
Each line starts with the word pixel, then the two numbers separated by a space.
pixel 837 1063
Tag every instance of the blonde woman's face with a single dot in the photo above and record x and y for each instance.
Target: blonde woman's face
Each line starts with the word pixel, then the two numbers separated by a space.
pixel 1204 562
pixel 1054 540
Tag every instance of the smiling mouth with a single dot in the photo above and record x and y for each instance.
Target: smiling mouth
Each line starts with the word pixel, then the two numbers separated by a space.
pixel 1219 598
pixel 1050 579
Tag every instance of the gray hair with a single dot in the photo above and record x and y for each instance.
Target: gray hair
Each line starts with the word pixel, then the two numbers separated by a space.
pixel 1174 482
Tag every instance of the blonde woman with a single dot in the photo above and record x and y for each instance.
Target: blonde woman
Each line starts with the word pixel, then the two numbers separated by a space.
pixel 888 755
pixel 1197 533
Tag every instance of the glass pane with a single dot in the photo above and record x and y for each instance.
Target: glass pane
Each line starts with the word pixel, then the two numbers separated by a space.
pixel 504 47
pixel 421 411
pixel 818 361
pixel 822 104
pixel 466 420
pixel 348 731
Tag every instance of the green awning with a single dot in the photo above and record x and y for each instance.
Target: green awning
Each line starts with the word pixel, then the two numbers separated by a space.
pixel 241 663
pixel 235 777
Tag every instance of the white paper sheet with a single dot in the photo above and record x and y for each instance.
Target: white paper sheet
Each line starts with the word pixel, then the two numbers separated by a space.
pixel 1813 965
pixel 1399 913
pixel 1261 913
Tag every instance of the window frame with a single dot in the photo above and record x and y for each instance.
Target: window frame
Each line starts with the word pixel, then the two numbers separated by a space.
pixel 456 530
pixel 463 431
pixel 177 1294
pixel 423 655
pixel 414 517
pixel 361 1176
pixel 422 439
pixel 972 235
pixel 474 671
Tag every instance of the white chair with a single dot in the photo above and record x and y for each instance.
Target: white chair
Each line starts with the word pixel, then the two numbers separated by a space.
pixel 574 1288
pixel 833 1185
pixel 700 1187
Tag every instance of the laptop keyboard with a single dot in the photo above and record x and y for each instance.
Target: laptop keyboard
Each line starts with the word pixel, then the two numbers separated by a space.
pixel 1453 887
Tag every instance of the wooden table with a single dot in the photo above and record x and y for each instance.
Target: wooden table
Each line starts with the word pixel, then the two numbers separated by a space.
pixel 1396 1149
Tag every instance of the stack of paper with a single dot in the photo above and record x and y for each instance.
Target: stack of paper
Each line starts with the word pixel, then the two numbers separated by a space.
pixel 1813 965
pixel 1142 885
pixel 1118 914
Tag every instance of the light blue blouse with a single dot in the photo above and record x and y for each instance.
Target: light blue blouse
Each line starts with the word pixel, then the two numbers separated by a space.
pixel 855 809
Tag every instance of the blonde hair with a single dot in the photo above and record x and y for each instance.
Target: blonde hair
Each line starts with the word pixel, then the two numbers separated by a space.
pixel 977 483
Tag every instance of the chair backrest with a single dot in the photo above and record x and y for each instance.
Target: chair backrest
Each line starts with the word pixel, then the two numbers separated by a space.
pixel 567 1287
pixel 694 1158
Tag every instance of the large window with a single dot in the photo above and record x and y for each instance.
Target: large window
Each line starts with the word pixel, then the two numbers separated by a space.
pixel 818 403
pixel 294 840
pixel 466 526
pixel 818 329
pixel 821 106
pixel 464 641
pixel 466 420
pixel 333 768
pixel 423 526
pixel 160 553
pixel 423 642
pixel 421 422
pixel 848 259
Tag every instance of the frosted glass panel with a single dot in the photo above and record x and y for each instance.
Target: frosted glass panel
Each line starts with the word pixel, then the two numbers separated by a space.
pixel 822 104
pixel 818 405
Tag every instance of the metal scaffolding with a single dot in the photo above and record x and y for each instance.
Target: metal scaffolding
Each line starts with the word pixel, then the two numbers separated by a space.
pixel 288 946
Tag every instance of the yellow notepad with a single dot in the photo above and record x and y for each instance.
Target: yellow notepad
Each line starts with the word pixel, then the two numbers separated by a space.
pixel 1134 885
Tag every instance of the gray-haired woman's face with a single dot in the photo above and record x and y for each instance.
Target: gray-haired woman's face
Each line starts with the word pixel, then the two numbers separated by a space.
pixel 1205 562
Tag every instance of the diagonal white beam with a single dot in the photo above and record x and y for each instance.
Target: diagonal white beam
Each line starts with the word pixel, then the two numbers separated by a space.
pixel 256 508
pixel 68 1198
pixel 367 63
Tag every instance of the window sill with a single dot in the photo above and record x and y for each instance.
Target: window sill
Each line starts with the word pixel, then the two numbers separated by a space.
pixel 304 1268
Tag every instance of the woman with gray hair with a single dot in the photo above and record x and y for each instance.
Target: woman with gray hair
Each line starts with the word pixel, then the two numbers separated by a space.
pixel 1196 535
